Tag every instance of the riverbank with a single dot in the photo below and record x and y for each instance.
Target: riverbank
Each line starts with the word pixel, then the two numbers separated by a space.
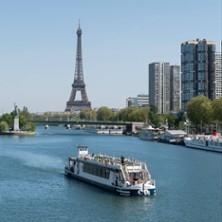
pixel 17 133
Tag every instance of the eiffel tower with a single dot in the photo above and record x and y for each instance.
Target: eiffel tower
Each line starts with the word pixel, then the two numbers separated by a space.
pixel 78 85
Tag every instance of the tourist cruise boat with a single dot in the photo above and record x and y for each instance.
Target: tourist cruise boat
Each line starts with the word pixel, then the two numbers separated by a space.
pixel 149 133
pixel 106 130
pixel 123 176
pixel 173 137
pixel 205 142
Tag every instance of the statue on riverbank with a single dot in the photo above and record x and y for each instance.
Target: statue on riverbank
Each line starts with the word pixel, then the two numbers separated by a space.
pixel 16 119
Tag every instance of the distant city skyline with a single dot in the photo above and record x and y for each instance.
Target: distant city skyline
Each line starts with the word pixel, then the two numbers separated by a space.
pixel 120 39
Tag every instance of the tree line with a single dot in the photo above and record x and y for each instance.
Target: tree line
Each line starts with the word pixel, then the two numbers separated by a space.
pixel 204 113
pixel 104 113
pixel 133 114
pixel 148 115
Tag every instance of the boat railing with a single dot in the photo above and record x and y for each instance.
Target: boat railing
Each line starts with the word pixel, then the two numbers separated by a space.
pixel 115 161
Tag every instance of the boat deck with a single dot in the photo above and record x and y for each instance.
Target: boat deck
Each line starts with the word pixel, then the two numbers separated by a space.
pixel 105 159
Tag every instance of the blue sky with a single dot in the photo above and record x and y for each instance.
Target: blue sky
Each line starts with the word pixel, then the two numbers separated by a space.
pixel 120 39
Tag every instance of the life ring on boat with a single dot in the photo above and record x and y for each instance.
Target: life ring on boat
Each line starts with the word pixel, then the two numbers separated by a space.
pixel 146 192
pixel 140 192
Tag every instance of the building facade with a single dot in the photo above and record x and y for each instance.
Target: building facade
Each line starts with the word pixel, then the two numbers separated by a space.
pixel 218 81
pixel 175 89
pixel 159 86
pixel 197 70
pixel 139 101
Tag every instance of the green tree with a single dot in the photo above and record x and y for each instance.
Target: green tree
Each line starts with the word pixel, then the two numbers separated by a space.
pixel 154 119
pixel 180 119
pixel 123 115
pixel 199 110
pixel 115 116
pixel 8 118
pixel 22 120
pixel 25 120
pixel 145 114
pixel 104 114
pixel 153 109
pixel 87 115
pixel 83 115
pixel 138 114
pixel 4 126
pixel 28 126
pixel 25 113
pixel 134 114
pixel 170 119
pixel 217 109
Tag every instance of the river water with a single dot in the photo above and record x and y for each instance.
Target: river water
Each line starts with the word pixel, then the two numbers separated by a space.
pixel 33 187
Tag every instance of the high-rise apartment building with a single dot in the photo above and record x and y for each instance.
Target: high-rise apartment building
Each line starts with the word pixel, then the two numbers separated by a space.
pixel 159 86
pixel 197 69
pixel 175 89
pixel 218 64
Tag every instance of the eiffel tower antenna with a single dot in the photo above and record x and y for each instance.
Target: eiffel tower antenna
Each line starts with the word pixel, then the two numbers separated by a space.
pixel 78 85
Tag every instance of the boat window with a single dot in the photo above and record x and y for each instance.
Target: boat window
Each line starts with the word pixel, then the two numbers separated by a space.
pixel 96 170
pixel 136 176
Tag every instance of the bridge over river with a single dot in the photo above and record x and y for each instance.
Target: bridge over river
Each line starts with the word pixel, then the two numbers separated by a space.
pixel 129 126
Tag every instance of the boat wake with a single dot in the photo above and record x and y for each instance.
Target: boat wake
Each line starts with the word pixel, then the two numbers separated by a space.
pixel 41 161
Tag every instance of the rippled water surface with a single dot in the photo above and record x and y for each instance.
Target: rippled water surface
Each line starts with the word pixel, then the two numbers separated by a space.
pixel 33 187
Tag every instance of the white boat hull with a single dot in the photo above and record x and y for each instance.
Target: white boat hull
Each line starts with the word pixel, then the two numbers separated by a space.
pixel 127 177
pixel 123 191
pixel 207 145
